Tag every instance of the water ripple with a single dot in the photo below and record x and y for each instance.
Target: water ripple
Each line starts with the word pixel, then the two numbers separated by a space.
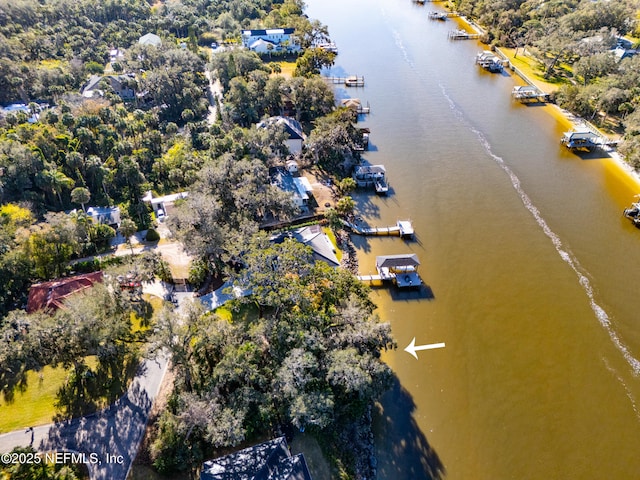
pixel 566 256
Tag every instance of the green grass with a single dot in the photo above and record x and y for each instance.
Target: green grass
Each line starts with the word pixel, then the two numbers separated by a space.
pixel 329 233
pixel 35 404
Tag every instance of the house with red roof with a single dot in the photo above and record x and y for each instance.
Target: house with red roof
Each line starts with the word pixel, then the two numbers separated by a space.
pixel 51 295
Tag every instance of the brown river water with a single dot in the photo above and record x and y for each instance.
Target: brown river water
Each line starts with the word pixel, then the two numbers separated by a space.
pixel 531 269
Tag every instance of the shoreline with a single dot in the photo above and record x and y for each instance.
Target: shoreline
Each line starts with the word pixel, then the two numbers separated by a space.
pixel 572 121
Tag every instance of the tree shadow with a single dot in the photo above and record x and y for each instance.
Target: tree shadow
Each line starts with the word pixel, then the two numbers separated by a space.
pixel 402 450
pixel 109 438
pixel 87 390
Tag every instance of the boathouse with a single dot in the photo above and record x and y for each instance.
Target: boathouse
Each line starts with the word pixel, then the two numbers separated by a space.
pixel 402 270
pixel 584 139
pixel 489 61
pixel 371 176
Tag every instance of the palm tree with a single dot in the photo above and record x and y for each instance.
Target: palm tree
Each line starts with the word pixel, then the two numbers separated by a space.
pixel 127 229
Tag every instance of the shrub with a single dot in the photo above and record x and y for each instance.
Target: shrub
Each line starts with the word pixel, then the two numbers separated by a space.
pixel 152 235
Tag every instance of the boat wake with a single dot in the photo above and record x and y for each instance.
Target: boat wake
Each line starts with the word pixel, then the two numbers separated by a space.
pixel 625 387
pixel 565 255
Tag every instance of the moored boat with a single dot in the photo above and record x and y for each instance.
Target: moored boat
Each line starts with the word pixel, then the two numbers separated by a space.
pixel 633 213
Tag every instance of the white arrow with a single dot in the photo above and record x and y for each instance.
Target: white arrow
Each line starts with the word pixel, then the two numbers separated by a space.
pixel 412 348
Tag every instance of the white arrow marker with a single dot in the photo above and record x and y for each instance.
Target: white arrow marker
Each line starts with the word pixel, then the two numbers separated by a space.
pixel 412 348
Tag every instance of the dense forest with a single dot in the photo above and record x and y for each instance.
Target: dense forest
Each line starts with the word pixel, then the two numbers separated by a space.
pixel 575 42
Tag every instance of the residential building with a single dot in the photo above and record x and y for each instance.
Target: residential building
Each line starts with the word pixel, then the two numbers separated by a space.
pixel 299 187
pixel 150 39
pixel 267 461
pixel 293 130
pixel 314 237
pixel 51 295
pixel 276 40
pixel 120 84
pixel 106 215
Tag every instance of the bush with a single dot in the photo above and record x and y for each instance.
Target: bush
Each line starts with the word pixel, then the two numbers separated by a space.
pixel 152 235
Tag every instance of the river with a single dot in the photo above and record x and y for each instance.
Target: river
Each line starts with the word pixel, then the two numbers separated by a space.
pixel 531 270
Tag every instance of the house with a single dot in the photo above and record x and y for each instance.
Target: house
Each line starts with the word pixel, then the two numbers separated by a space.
pixel 293 130
pixel 105 215
pixel 119 83
pixel 51 295
pixel 314 237
pixel 150 39
pixel 271 40
pixel 267 461
pixel 115 54
pixel 161 205
pixel 298 187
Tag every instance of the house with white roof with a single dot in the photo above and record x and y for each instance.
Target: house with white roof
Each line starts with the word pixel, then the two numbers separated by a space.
pixel 276 40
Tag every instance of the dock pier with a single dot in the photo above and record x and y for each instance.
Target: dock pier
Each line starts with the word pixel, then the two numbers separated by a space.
pixel 350 81
pixel 529 94
pixel 403 228
pixel 462 35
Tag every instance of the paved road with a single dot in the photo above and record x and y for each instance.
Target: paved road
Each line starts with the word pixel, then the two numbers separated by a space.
pixel 109 439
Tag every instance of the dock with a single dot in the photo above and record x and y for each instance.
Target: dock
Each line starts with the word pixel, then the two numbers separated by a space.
pixel 400 270
pixel 462 35
pixel 529 94
pixel 350 81
pixel 402 228
pixel 442 16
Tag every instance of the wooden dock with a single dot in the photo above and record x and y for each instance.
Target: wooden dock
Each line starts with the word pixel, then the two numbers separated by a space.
pixel 350 81
pixel 403 228
pixel 529 94
pixel 462 35
pixel 442 15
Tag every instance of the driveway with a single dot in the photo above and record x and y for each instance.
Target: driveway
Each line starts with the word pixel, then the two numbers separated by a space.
pixel 108 439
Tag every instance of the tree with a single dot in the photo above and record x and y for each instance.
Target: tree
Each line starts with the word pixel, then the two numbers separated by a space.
pixel 80 195
pixel 127 229
pixel 312 61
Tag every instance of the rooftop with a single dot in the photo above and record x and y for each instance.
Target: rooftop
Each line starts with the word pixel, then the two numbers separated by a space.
pixel 51 295
pixel 267 461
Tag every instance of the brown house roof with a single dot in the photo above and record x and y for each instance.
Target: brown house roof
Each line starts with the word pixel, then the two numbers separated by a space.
pixel 51 295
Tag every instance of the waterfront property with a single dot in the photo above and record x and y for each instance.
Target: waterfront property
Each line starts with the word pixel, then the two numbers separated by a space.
pixel 367 176
pixel 313 237
pixel 276 40
pixel 268 460
pixel 401 270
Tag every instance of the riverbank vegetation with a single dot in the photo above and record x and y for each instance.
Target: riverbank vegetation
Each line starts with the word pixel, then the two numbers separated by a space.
pixel 587 48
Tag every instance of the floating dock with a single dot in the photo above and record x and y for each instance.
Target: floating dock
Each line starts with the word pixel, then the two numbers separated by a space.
pixel 400 270
pixel 403 228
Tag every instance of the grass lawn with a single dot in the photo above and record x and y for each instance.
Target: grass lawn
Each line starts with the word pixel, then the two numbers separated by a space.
pixel 329 233
pixel 35 404
pixel 286 68
pixel 532 69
